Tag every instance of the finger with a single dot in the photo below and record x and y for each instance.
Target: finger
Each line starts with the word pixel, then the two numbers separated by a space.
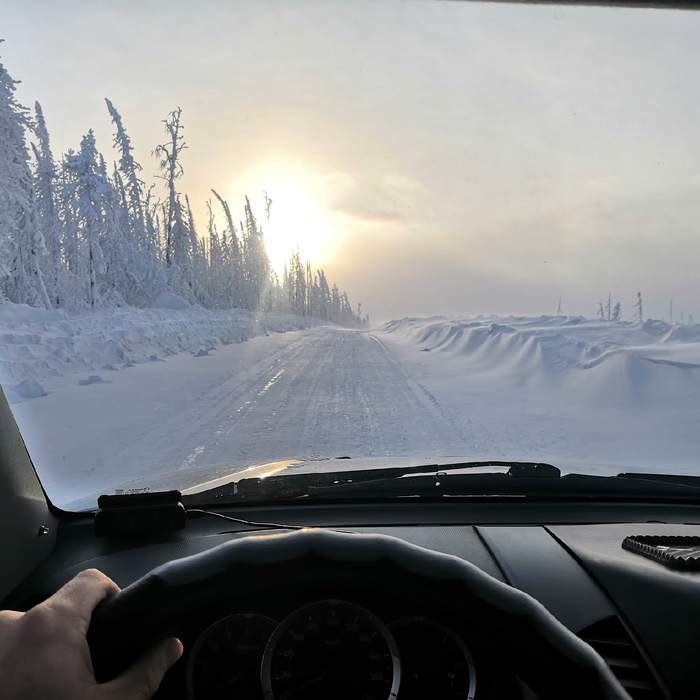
pixel 144 677
pixel 10 616
pixel 81 595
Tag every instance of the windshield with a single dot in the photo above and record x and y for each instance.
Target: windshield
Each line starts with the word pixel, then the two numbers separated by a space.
pixel 251 239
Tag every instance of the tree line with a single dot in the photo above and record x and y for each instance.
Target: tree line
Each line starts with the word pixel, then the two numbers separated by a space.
pixel 77 233
pixel 611 310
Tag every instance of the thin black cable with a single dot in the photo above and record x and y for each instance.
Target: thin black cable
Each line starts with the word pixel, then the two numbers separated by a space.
pixel 242 521
pixel 269 526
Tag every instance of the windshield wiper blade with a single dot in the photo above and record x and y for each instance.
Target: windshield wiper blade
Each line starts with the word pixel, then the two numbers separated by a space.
pixel 523 480
pixel 517 484
pixel 687 479
pixel 292 486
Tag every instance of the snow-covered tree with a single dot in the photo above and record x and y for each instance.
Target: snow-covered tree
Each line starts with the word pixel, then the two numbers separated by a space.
pixel 639 307
pixel 198 264
pixel 91 192
pixel 256 265
pixel 129 169
pixel 21 243
pixel 45 211
pixel 143 279
pixel 232 252
pixel 171 169
pixel 76 234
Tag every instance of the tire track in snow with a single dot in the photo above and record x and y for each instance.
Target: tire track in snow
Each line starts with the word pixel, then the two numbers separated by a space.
pixel 463 440
pixel 477 441
pixel 184 434
pixel 194 455
pixel 328 392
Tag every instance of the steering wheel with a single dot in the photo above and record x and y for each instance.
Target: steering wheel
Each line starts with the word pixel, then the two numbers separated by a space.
pixel 533 643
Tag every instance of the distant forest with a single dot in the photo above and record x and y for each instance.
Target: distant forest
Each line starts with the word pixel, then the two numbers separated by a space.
pixel 79 233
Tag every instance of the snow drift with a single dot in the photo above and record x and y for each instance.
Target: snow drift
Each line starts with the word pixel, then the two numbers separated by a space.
pixel 563 387
pixel 36 344
pixel 523 345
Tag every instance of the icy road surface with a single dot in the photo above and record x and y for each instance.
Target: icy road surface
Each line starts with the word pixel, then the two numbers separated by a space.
pixel 578 393
pixel 323 392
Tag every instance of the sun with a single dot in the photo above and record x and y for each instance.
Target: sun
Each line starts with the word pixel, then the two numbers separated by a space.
pixel 296 222
pixel 298 219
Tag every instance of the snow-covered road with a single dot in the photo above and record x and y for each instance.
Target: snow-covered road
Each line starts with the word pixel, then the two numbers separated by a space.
pixel 323 392
pixel 577 393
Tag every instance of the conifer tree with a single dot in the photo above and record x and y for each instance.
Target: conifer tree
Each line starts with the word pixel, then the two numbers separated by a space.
pixel 46 215
pixel 22 245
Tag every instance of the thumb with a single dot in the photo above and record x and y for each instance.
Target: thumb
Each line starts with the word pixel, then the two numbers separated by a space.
pixel 141 681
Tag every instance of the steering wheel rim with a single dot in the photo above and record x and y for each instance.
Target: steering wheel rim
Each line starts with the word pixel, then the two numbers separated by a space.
pixel 126 623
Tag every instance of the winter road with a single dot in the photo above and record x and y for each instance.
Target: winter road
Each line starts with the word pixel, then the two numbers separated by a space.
pixel 311 394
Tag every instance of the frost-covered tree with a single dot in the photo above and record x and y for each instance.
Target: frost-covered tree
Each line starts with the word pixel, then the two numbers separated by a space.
pixel 325 294
pixel 256 265
pixel 46 213
pixel 176 236
pixel 180 274
pixel 73 234
pixel 171 169
pixel 119 256
pixel 198 264
pixel 297 282
pixel 617 312
pixel 143 280
pixel 639 308
pixel 21 244
pixel 129 169
pixel 232 252
pixel 92 195
pixel 215 270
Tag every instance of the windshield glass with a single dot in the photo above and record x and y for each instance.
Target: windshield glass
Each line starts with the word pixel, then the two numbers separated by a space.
pixel 249 239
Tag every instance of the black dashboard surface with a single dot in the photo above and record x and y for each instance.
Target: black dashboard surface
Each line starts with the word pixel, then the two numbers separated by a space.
pixel 661 605
pixel 578 570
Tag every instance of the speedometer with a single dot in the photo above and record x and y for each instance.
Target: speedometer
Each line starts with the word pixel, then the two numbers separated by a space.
pixel 331 649
pixel 225 660
pixel 435 661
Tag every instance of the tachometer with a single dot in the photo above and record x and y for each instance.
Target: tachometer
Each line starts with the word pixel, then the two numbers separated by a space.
pixel 225 661
pixel 331 649
pixel 435 661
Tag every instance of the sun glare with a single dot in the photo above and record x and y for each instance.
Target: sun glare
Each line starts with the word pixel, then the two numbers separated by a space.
pixel 297 219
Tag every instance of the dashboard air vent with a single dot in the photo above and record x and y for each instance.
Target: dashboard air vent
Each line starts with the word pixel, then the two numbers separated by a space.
pixel 611 640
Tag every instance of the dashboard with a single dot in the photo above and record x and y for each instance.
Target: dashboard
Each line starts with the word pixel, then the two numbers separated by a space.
pixel 296 640
pixel 330 648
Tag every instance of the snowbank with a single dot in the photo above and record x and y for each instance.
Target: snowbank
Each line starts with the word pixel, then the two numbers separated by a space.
pixel 168 300
pixel 37 344
pixel 562 388
pixel 21 313
pixel 550 344
pixel 27 389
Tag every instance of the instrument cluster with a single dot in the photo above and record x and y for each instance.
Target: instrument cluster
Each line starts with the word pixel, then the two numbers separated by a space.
pixel 330 648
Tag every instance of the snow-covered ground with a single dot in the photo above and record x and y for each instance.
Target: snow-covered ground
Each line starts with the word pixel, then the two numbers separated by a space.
pixel 99 408
pixel 563 389
pixel 36 344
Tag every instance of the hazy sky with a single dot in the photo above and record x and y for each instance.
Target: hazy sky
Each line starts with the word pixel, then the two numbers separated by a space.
pixel 434 157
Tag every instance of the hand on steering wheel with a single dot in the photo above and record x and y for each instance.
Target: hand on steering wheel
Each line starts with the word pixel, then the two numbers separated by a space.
pixel 44 652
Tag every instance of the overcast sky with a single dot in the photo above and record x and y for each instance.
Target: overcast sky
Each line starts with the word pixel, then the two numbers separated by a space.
pixel 450 157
